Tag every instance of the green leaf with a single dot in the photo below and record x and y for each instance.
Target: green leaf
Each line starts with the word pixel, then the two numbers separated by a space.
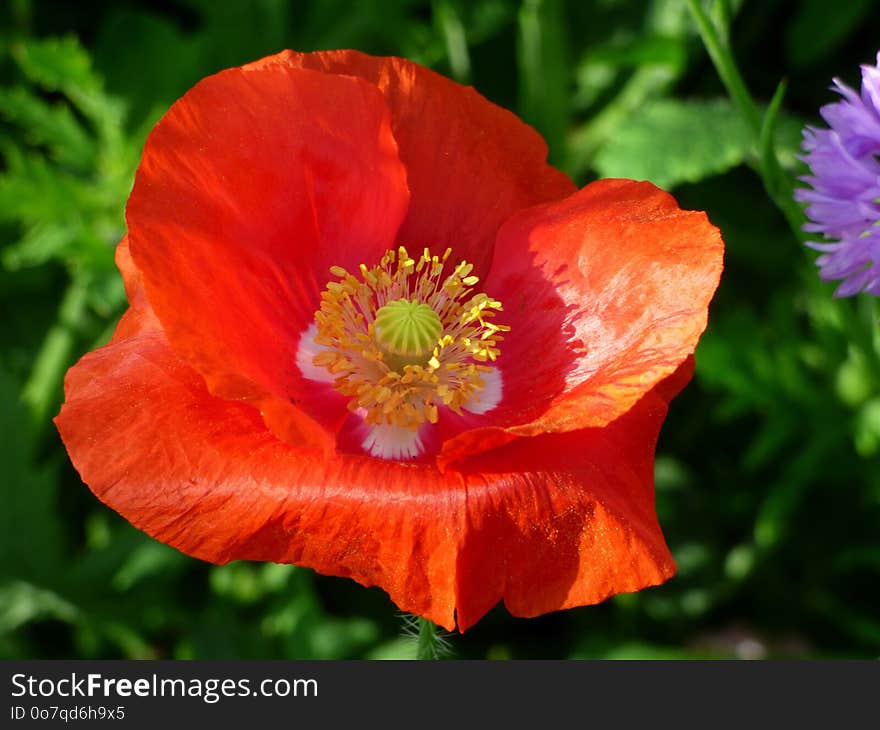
pixel 38 245
pixel 21 603
pixel 63 65
pixel 670 142
pixel 52 125
pixel 147 561
pixel 35 191
pixel 56 64
pixel 43 389
pixel 774 179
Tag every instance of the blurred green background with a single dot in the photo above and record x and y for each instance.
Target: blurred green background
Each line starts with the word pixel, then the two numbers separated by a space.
pixel 768 486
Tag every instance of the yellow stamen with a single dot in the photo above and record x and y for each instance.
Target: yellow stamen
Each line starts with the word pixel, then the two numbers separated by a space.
pixel 402 338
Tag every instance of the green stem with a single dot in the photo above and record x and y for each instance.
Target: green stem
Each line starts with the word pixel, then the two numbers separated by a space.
pixel 43 388
pixel 779 184
pixel 726 67
pixel 456 40
pixel 777 181
pixel 428 645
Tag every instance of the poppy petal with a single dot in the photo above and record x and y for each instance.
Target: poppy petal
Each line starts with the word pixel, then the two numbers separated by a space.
pixel 250 188
pixel 470 163
pixel 564 520
pixel 557 521
pixel 204 475
pixel 606 293
pixel 140 316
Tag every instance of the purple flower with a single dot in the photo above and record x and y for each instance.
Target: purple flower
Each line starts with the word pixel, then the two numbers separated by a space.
pixel 844 202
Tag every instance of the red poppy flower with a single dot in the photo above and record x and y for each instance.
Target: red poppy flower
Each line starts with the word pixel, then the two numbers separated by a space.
pixel 372 332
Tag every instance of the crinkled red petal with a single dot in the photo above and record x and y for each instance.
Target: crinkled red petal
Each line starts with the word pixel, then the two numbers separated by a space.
pixel 606 294
pixel 556 521
pixel 470 164
pixel 250 188
pixel 564 520
pixel 205 475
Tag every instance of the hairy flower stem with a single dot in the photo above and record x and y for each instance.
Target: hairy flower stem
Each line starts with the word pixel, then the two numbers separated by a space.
pixel 777 182
pixel 429 642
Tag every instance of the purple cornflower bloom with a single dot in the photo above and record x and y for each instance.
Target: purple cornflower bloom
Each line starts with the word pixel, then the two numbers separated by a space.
pixel 844 202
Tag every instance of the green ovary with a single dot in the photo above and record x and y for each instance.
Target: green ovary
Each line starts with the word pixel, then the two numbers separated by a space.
pixel 407 332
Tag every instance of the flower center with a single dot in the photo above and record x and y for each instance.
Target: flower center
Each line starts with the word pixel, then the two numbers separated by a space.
pixel 405 337
pixel 407 332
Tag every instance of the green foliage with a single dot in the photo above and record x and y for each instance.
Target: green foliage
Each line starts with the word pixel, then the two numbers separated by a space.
pixel 544 83
pixel 635 57
pixel 819 28
pixel 662 144
pixel 768 486
pixel 69 172
pixel 68 166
